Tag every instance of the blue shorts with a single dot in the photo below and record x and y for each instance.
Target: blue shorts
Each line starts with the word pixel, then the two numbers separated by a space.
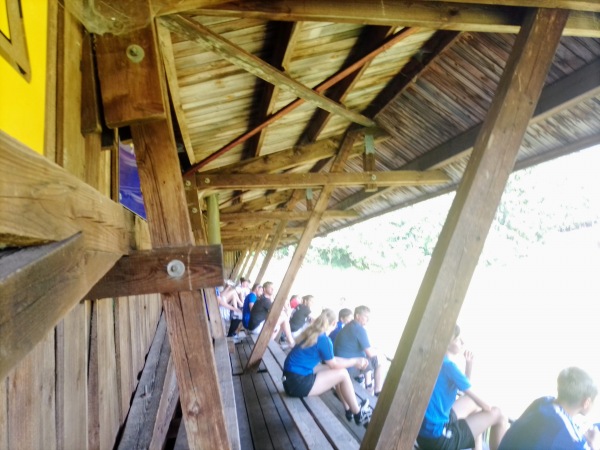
pixel 457 435
pixel 298 385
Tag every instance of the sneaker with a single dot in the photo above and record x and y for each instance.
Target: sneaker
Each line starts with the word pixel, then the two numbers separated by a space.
pixel 364 414
pixel 349 415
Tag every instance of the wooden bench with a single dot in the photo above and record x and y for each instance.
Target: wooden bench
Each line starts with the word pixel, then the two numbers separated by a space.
pixel 319 427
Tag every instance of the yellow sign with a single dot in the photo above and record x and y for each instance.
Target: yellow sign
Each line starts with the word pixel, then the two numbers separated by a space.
pixel 23 42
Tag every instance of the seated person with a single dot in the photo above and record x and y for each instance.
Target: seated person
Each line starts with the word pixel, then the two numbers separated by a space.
pixel 303 375
pixel 255 294
pixel 353 342
pixel 261 310
pixel 344 316
pixel 301 315
pixel 451 423
pixel 229 302
pixel 547 424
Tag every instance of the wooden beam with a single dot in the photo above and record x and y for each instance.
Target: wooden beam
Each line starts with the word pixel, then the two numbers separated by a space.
pixel 282 160
pixel 156 271
pixel 286 215
pixel 238 56
pixel 129 77
pixel 558 96
pixel 437 15
pixel 271 200
pixel 406 391
pixel 38 287
pixel 165 7
pixel 40 202
pixel 306 180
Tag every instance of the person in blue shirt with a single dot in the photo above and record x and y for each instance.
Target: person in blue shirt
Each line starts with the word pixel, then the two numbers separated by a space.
pixel 352 341
pixel 451 423
pixel 304 375
pixel 547 424
pixel 255 293
pixel 344 316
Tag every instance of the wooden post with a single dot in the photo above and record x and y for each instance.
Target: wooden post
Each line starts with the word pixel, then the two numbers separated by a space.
pixel 214 227
pixel 261 245
pixel 409 383
pixel 271 251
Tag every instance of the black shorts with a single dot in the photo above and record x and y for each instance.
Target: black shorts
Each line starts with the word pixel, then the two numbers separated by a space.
pixel 457 435
pixel 298 385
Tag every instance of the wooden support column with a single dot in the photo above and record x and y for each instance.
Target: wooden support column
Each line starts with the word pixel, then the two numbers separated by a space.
pixel 238 264
pixel 261 245
pixel 409 383
pixel 311 228
pixel 214 227
pixel 139 83
pixel 191 342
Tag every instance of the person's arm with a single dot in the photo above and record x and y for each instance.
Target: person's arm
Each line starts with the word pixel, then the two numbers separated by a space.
pixel 343 363
pixel 482 404
pixel 468 363
pixel 592 436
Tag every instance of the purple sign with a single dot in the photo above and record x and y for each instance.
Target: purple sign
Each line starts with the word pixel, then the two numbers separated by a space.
pixel 130 192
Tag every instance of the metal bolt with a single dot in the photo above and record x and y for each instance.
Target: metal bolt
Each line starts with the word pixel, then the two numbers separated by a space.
pixel 207 180
pixel 194 210
pixel 135 53
pixel 188 183
pixel 373 177
pixel 175 268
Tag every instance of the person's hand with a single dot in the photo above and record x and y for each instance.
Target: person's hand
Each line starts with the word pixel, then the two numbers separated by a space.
pixel 469 356
pixel 362 363
pixel 592 436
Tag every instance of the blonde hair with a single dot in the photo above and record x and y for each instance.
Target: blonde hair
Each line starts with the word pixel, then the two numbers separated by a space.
pixel 309 336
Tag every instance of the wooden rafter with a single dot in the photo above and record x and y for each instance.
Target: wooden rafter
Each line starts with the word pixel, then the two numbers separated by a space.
pixel 410 380
pixel 490 18
pixel 238 56
pixel 286 35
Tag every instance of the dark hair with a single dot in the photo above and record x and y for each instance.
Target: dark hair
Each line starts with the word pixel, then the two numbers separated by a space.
pixel 344 312
pixel 362 309
pixel 256 285
pixel 574 386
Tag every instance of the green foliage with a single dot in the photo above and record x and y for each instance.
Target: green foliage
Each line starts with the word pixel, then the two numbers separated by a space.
pixel 537 201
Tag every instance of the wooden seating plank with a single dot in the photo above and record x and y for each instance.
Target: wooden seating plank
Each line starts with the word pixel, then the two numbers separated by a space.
pixel 236 365
pixel 270 413
pixel 258 427
pixel 242 415
pixel 223 364
pixel 287 421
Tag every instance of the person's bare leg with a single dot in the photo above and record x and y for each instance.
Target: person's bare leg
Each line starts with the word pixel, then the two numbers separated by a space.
pixel 326 379
pixel 284 325
pixel 481 421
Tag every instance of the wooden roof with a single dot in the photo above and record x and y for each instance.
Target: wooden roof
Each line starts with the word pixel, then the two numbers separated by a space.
pixel 420 78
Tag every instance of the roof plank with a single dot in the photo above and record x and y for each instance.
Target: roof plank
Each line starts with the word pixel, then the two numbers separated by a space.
pixel 238 56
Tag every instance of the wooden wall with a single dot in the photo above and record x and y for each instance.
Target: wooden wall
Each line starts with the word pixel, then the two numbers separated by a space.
pixel 73 390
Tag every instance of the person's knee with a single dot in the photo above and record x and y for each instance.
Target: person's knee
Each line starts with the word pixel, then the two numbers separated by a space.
pixel 498 416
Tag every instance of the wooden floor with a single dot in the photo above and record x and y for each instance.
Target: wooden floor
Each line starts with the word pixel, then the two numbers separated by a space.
pixel 264 421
